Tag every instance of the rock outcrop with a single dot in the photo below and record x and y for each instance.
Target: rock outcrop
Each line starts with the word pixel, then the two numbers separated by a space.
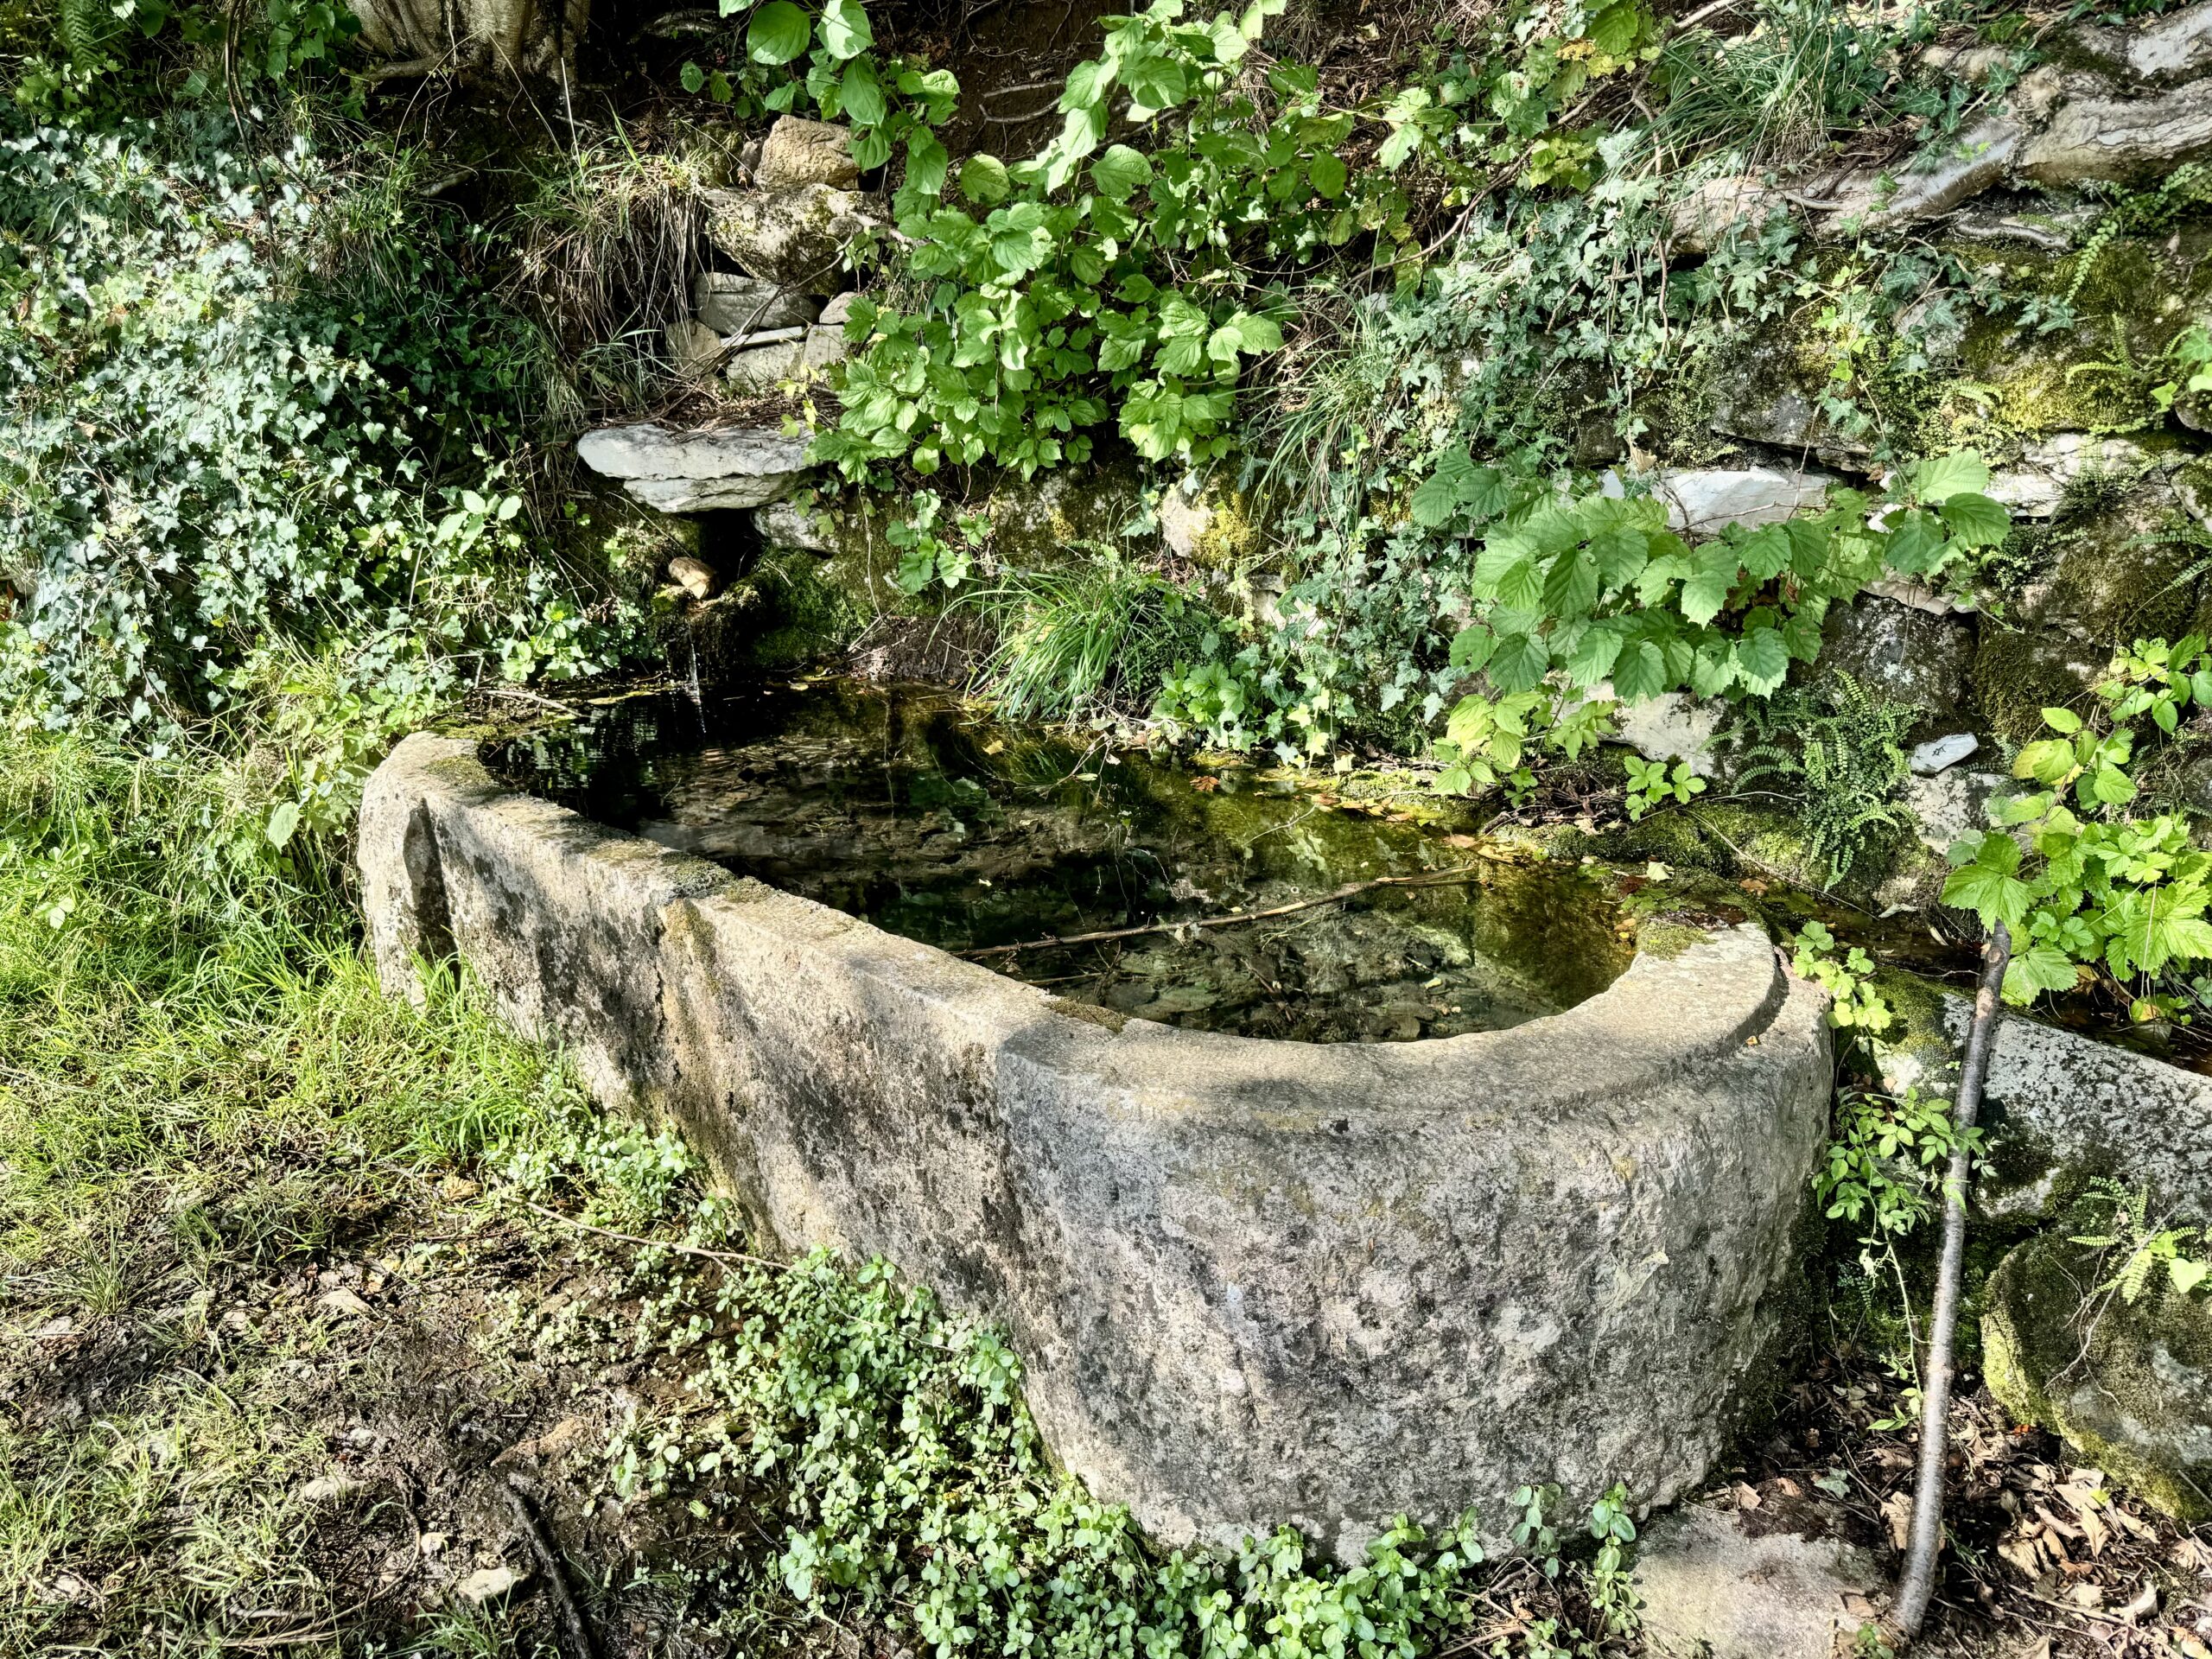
pixel 1713 1590
pixel 795 237
pixel 697 471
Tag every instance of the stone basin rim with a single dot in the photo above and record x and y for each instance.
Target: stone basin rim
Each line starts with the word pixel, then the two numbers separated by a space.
pixel 1695 1003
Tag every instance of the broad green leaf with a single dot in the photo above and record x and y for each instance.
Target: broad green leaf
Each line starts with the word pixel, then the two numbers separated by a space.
pixel 1571 584
pixel 982 178
pixel 859 95
pixel 1471 648
pixel 1974 520
pixel 778 33
pixel 2062 720
pixel 1939 480
pixel 926 161
pixel 1156 82
pixel 2037 968
pixel 1328 175
pixel 1988 885
pixel 1521 585
pixel 1439 496
pixel 1593 657
pixel 1761 660
pixel 1120 172
pixel 1707 590
pixel 2047 761
pixel 282 823
pixel 1639 672
pixel 1402 144
pixel 844 29
pixel 1914 546
pixel 1519 662
pixel 691 77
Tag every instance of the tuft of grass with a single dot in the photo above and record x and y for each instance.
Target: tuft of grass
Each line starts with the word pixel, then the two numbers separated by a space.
pixel 1091 639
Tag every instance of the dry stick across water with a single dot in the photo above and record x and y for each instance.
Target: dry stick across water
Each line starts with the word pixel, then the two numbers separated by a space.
pixel 1917 1583
pixel 1350 891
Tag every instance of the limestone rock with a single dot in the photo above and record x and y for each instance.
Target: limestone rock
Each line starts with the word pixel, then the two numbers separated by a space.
pixel 1898 654
pixel 1950 804
pixel 1765 396
pixel 2176 45
pixel 2019 672
pixel 2034 486
pixel 695 576
pixel 799 152
pixel 1712 1591
pixel 797 238
pixel 730 302
pixel 1699 220
pixel 1978 160
pixel 2121 141
pixel 693 347
pixel 765 368
pixel 1939 754
pixel 2110 579
pixel 784 528
pixel 2064 1106
pixel 2127 1384
pixel 1673 726
pixel 697 471
pixel 487 1584
pixel 1702 501
pixel 839 309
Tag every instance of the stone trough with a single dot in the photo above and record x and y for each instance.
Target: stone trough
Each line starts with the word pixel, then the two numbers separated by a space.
pixel 1253 1281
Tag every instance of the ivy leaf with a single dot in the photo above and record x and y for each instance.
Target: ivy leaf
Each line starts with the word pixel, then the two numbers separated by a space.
pixel 844 29
pixel 1974 520
pixel 1326 174
pixel 1519 662
pixel 1120 172
pixel 1988 885
pixel 982 178
pixel 1939 480
pixel 778 33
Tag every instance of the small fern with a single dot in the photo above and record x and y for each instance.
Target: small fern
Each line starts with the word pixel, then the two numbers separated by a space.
pixel 1839 753
pixel 86 27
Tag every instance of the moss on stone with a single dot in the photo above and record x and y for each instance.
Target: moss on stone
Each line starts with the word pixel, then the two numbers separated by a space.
pixel 2129 1385
pixel 2017 675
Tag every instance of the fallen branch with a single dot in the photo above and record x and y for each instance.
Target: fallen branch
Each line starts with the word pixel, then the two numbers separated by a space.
pixel 1104 934
pixel 575 1631
pixel 652 1243
pixel 1917 1583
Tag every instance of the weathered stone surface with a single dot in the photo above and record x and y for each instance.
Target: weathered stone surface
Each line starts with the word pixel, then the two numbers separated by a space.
pixel 2064 1106
pixel 2019 672
pixel 1939 754
pixel 2127 1384
pixel 839 308
pixel 1673 726
pixel 2121 140
pixel 1704 500
pixel 1712 1591
pixel 801 152
pixel 2034 486
pixel 1252 1281
pixel 1699 220
pixel 1950 804
pixel 2178 44
pixel 730 302
pixel 459 35
pixel 697 471
pixel 693 347
pixel 1899 652
pixel 795 237
pixel 695 576
pixel 1765 396
pixel 765 368
pixel 1879 199
pixel 2111 579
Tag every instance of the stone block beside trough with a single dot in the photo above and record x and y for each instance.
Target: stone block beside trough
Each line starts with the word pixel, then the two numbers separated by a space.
pixel 1253 1282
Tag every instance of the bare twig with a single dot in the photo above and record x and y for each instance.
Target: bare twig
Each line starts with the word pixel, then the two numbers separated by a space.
pixel 1349 890
pixel 652 1243
pixel 575 1630
pixel 1916 1583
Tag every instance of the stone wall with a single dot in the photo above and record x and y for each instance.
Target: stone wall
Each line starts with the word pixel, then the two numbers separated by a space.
pixel 1253 1282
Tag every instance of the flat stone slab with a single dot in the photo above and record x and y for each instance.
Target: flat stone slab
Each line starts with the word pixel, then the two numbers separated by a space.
pixel 2065 1105
pixel 697 472
pixel 1712 1590
pixel 1252 1282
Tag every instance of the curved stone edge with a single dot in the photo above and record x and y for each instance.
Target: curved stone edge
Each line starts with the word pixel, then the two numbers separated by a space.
pixel 1252 1282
